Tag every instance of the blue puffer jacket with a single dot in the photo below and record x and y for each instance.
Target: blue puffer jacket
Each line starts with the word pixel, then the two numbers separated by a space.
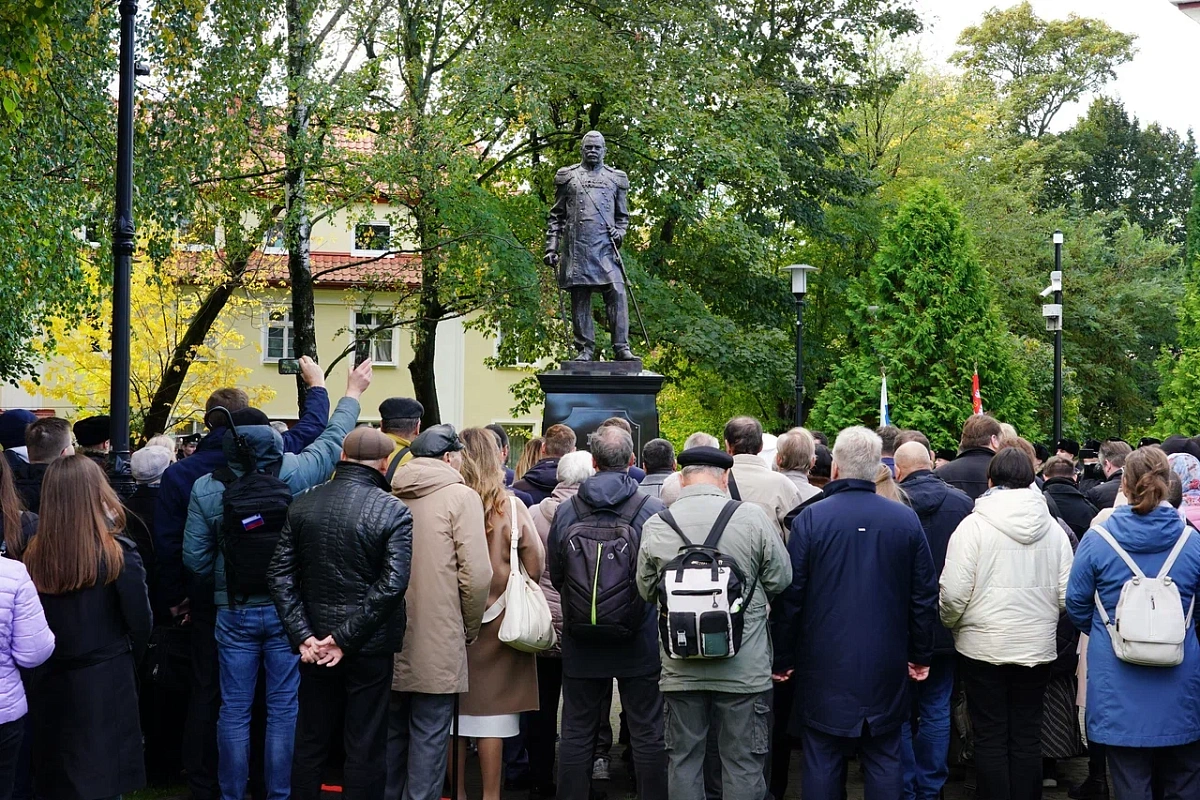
pixel 311 467
pixel 1129 705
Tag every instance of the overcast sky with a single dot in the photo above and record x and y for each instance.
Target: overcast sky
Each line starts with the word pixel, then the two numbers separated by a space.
pixel 1159 85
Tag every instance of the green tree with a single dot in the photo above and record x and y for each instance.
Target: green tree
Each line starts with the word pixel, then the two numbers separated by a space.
pixel 1110 162
pixel 929 322
pixel 1179 365
pixel 1038 66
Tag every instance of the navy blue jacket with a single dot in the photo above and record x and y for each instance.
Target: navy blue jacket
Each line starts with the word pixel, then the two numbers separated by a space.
pixel 539 480
pixel 861 607
pixel 170 513
pixel 940 507
pixel 639 656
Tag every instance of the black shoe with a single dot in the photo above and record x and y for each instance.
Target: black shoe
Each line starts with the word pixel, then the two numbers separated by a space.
pixel 586 354
pixel 1094 788
pixel 623 353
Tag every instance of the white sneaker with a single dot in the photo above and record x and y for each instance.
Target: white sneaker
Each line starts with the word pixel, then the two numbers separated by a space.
pixel 600 769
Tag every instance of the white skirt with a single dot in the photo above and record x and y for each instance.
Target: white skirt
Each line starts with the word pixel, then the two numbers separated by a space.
pixel 501 726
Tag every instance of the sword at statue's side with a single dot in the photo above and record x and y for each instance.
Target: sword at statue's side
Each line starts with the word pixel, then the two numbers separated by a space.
pixel 620 264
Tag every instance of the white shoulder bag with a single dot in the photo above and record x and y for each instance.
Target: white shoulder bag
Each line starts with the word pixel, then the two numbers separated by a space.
pixel 527 625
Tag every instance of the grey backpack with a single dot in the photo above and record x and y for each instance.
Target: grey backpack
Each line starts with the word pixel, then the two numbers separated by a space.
pixel 1150 626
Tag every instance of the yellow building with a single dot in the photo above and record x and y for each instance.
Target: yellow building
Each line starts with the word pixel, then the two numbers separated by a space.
pixel 358 280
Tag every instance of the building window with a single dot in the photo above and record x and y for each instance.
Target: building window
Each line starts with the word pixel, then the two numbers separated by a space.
pixel 273 241
pixel 196 234
pixel 281 341
pixel 383 342
pixel 372 238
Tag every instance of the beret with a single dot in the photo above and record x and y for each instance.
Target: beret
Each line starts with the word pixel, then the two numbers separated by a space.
pixel 367 444
pixel 1069 445
pixel 401 408
pixel 705 457
pixel 91 431
pixel 12 427
pixel 436 441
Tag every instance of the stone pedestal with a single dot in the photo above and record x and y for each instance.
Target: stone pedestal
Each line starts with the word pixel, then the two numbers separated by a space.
pixel 581 395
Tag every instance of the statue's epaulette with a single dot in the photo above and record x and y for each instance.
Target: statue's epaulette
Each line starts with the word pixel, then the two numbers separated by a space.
pixel 564 174
pixel 620 177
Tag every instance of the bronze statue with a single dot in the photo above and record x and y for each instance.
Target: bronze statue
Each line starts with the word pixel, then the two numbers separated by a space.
pixel 589 219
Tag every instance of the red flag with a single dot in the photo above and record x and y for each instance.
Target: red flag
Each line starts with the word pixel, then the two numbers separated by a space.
pixel 976 397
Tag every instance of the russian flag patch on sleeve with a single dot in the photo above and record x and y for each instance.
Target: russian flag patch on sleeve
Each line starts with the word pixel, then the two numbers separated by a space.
pixel 250 523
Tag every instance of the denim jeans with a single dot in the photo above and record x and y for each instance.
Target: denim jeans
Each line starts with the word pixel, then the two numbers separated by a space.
pixel 247 638
pixel 418 744
pixel 924 755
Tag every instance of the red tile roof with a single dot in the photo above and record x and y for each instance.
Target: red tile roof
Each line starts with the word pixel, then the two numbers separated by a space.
pixel 330 270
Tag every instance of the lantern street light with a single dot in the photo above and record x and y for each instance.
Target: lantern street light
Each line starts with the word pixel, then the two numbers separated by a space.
pixel 799 289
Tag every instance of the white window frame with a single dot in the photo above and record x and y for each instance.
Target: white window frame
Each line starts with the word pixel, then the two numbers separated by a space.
pixel 182 230
pixel 288 328
pixel 272 250
pixel 395 359
pixel 354 248
pixel 497 338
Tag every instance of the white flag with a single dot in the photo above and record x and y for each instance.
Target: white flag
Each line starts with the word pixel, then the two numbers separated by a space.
pixel 885 417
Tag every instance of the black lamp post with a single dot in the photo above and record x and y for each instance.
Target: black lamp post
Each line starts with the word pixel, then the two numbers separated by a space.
pixel 1054 319
pixel 799 289
pixel 123 242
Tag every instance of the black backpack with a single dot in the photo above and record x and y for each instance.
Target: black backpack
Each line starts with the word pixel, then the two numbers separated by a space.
pixel 254 510
pixel 599 596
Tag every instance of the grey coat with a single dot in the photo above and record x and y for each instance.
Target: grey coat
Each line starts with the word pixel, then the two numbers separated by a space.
pixel 587 205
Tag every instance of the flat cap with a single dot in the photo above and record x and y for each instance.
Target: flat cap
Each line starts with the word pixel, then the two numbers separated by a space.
pixel 191 438
pixel 365 443
pixel 705 457
pixel 1069 445
pixel 436 441
pixel 149 463
pixel 12 427
pixel 91 431
pixel 401 408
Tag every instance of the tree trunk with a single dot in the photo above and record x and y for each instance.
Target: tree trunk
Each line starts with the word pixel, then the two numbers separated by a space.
pixel 429 313
pixel 297 228
pixel 181 358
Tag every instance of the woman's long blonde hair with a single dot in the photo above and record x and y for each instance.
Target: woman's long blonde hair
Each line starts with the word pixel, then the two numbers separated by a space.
pixel 483 472
pixel 529 456
pixel 75 546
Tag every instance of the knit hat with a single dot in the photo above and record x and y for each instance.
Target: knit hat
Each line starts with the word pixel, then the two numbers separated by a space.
pixel 149 463
pixel 12 427
pixel 367 444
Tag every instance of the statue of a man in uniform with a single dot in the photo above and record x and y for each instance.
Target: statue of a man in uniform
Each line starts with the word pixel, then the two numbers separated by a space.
pixel 588 223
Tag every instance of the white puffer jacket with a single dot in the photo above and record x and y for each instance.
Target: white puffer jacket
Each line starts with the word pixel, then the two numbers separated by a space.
pixel 1005 579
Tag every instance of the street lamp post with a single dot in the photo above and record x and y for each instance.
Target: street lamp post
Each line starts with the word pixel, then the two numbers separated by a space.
pixel 799 289
pixel 1054 319
pixel 123 241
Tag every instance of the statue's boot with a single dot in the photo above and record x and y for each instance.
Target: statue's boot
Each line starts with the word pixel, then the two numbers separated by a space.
pixel 585 354
pixel 623 353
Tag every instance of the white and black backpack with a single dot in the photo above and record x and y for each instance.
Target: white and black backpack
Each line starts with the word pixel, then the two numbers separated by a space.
pixel 702 596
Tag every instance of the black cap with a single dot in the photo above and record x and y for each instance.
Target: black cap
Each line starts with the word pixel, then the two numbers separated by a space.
pixel 193 438
pixel 1091 444
pixel 1087 453
pixel 436 441
pixel 1147 441
pixel 1070 445
pixel 92 431
pixel 705 457
pixel 1042 453
pixel 401 408
pixel 946 454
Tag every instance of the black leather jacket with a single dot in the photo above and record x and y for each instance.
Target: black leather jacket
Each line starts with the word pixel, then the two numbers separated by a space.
pixel 342 564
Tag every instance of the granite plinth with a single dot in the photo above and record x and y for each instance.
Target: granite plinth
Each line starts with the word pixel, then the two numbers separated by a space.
pixel 583 398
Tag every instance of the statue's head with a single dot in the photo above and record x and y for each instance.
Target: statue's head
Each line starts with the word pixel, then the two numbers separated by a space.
pixel 593 149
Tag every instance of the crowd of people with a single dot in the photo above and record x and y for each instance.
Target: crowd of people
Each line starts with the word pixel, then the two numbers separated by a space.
pixel 271 610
